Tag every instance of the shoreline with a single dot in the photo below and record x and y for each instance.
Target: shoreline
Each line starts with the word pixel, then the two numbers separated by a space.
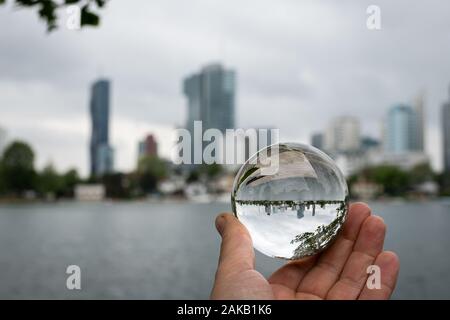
pixel 169 200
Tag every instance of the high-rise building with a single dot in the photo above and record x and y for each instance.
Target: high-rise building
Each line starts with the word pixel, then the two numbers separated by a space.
pixel 211 97
pixel 446 134
pixel 401 129
pixel 101 152
pixel 148 147
pixel 343 135
pixel 317 140
pixel 419 144
pixel 105 159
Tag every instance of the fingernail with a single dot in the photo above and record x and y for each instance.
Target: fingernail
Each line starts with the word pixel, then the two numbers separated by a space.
pixel 220 224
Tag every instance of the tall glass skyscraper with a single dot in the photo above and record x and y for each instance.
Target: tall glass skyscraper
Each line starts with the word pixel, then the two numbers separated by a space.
pixel 211 94
pixel 446 135
pixel 401 129
pixel 101 152
pixel 210 98
pixel 420 122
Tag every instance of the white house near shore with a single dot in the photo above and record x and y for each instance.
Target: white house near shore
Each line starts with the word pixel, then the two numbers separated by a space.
pixel 90 192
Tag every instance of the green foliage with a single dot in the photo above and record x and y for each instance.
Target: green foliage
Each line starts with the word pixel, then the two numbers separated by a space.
pixel 294 203
pixel 211 170
pixel 421 173
pixel 70 179
pixel 246 175
pixel 152 165
pixel 17 174
pixel 151 169
pixel 47 10
pixel 208 171
pixel 443 180
pixel 17 164
pixel 2 179
pixel 394 180
pixel 49 182
pixel 311 242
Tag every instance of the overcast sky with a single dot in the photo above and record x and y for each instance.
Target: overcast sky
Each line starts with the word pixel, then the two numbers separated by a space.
pixel 299 64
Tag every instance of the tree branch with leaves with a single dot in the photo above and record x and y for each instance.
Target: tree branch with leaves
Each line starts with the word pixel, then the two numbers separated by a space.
pixel 47 10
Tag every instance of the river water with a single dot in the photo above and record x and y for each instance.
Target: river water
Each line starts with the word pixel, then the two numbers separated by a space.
pixel 146 250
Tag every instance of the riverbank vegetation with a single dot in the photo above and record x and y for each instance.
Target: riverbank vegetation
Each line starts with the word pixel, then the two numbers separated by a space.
pixel 20 179
pixel 393 181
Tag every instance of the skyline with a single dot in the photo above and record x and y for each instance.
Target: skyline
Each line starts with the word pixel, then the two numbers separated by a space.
pixel 282 57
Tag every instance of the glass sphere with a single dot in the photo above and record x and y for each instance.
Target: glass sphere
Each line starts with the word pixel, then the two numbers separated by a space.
pixel 292 198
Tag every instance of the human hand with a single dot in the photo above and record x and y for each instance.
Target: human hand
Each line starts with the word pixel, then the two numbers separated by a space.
pixel 339 272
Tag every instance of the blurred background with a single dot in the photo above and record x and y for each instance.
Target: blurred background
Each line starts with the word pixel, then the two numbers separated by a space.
pixel 92 92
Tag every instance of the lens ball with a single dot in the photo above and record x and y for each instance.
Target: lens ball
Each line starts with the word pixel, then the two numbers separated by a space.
pixel 292 198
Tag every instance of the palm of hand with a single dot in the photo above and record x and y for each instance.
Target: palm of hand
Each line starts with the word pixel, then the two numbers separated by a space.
pixel 340 272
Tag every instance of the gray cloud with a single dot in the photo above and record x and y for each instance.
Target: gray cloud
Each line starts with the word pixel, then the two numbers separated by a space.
pixel 299 64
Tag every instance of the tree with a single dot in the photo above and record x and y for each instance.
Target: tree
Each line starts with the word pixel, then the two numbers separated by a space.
pixel 70 180
pixel 47 10
pixel 422 173
pixel 151 169
pixel 394 180
pixel 2 179
pixel 211 170
pixel 18 167
pixel 204 171
pixel 443 180
pixel 49 182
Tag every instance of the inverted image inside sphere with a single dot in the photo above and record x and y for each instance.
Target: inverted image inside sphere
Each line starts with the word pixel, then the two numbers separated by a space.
pixel 292 198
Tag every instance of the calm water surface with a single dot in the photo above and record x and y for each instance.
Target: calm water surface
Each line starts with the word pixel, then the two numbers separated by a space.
pixel 169 250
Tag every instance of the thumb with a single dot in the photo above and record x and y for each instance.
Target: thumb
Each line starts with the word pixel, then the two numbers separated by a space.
pixel 236 251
